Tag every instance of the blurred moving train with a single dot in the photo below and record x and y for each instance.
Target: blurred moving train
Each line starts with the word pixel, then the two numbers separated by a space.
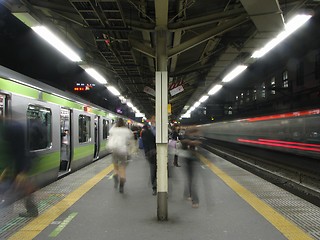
pixel 63 131
pixel 294 132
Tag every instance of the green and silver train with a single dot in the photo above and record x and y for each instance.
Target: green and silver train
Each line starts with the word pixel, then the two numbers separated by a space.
pixel 65 132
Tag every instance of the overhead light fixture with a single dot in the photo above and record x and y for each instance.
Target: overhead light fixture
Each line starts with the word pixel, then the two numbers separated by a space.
pixel 196 104
pixel 122 99
pixel 97 76
pixel 130 104
pixel 113 90
pixel 47 35
pixel 139 114
pixel 26 18
pixel 235 72
pixel 215 89
pixel 290 27
pixel 203 98
pixel 186 115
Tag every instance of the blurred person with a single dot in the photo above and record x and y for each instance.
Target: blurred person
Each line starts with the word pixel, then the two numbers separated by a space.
pixel 190 141
pixel 122 144
pixel 175 138
pixel 15 167
pixel 140 143
pixel 149 145
pixel 65 145
pixel 153 124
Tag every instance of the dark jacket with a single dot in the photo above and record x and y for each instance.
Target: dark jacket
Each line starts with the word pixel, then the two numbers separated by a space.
pixel 149 144
pixel 174 135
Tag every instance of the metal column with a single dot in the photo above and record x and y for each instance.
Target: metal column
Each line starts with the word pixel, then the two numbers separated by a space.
pixel 162 124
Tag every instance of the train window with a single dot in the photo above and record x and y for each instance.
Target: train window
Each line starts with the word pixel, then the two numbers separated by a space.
pixel 285 79
pixel 300 74
pixel 317 66
pixel 39 122
pixel 84 128
pixel 248 96
pixel 273 86
pixel 263 90
pixel 254 95
pixel 105 128
pixel 241 98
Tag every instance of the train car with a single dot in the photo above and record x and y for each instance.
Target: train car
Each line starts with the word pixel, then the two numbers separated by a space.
pixel 63 132
pixel 293 132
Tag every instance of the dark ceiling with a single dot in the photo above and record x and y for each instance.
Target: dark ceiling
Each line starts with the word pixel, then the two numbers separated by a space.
pixel 205 39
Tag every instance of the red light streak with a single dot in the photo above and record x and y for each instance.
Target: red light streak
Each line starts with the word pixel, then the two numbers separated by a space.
pixel 278 145
pixel 285 115
pixel 290 143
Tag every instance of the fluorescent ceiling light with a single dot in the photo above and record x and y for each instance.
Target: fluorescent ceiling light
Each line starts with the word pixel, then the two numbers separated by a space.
pixel 122 99
pixel 215 89
pixel 203 98
pixel 26 18
pixel 139 114
pixel 130 104
pixel 47 35
pixel 113 90
pixel 290 27
pixel 93 73
pixel 186 115
pixel 196 104
pixel 235 72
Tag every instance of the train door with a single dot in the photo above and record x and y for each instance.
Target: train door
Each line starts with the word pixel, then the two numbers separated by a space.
pixel 65 143
pixel 96 137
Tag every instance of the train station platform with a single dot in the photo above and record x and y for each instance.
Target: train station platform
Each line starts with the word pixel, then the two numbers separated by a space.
pixel 234 205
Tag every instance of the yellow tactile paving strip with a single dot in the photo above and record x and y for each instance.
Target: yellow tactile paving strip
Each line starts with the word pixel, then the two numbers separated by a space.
pixel 290 230
pixel 32 229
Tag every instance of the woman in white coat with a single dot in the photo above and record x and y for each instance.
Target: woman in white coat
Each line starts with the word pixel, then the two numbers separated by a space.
pixel 121 142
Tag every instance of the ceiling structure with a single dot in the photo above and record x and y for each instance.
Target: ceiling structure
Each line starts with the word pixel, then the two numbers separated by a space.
pixel 205 39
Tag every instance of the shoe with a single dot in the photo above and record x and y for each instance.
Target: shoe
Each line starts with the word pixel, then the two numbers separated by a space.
pixel 29 214
pixel 122 181
pixel 195 205
pixel 154 192
pixel 175 163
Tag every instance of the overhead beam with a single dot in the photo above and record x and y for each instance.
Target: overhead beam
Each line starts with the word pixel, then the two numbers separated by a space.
pixel 205 20
pixel 137 45
pixel 177 37
pixel 267 17
pixel 207 35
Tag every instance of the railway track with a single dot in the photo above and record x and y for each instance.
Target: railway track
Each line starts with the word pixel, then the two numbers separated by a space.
pixel 298 175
